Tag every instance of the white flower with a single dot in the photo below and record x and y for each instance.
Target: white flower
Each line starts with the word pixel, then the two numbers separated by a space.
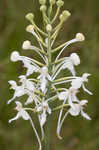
pixel 26 45
pixel 70 95
pixel 21 113
pixel 27 83
pixel 29 87
pixel 70 62
pixel 79 82
pixel 31 68
pixel 43 108
pixel 19 90
pixel 28 63
pixel 74 112
pixel 79 109
pixel 44 77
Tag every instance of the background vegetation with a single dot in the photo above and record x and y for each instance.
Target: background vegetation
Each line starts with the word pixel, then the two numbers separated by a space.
pixel 78 133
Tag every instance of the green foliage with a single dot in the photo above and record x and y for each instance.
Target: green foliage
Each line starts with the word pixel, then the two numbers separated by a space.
pixel 79 134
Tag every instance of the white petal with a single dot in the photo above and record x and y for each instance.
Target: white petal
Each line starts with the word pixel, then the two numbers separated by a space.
pixel 76 111
pixel 29 100
pixel 10 100
pixel 85 76
pixel 43 85
pixel 43 118
pixel 63 95
pixel 76 83
pixel 15 118
pixel 86 90
pixel 83 102
pixel 85 115
pixel 24 114
pixel 71 102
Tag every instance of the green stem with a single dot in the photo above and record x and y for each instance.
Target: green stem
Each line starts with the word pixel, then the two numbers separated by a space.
pixel 47 134
pixel 47 126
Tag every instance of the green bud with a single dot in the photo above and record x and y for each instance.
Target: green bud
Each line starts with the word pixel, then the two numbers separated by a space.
pixel 48 28
pixel 29 17
pixel 52 2
pixel 64 16
pixel 60 3
pixel 42 2
pixel 43 8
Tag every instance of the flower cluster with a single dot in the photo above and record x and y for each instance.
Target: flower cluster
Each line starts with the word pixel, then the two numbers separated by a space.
pixel 44 87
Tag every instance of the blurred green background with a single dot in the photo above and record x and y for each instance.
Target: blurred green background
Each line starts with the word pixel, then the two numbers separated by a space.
pixel 78 133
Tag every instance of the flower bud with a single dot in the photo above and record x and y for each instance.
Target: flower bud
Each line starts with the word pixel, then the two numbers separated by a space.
pixel 80 37
pixel 26 45
pixel 14 56
pixel 65 14
pixel 42 2
pixel 30 28
pixel 30 17
pixel 52 2
pixel 43 8
pixel 49 28
pixel 60 3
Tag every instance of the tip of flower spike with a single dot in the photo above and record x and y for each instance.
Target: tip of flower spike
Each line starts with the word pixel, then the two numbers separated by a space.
pixel 14 56
pixel 30 28
pixel 30 17
pixel 26 45
pixel 80 37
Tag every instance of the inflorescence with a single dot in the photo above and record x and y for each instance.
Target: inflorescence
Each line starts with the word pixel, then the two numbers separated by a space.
pixel 46 88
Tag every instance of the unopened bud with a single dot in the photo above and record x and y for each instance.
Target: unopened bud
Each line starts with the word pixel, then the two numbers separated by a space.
pixel 30 17
pixel 80 37
pixel 14 56
pixel 43 8
pixel 64 16
pixel 26 45
pixel 49 28
pixel 60 3
pixel 30 28
pixel 52 2
pixel 42 2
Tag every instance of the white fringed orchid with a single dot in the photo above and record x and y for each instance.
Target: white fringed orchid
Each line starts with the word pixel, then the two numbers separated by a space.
pixel 43 87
